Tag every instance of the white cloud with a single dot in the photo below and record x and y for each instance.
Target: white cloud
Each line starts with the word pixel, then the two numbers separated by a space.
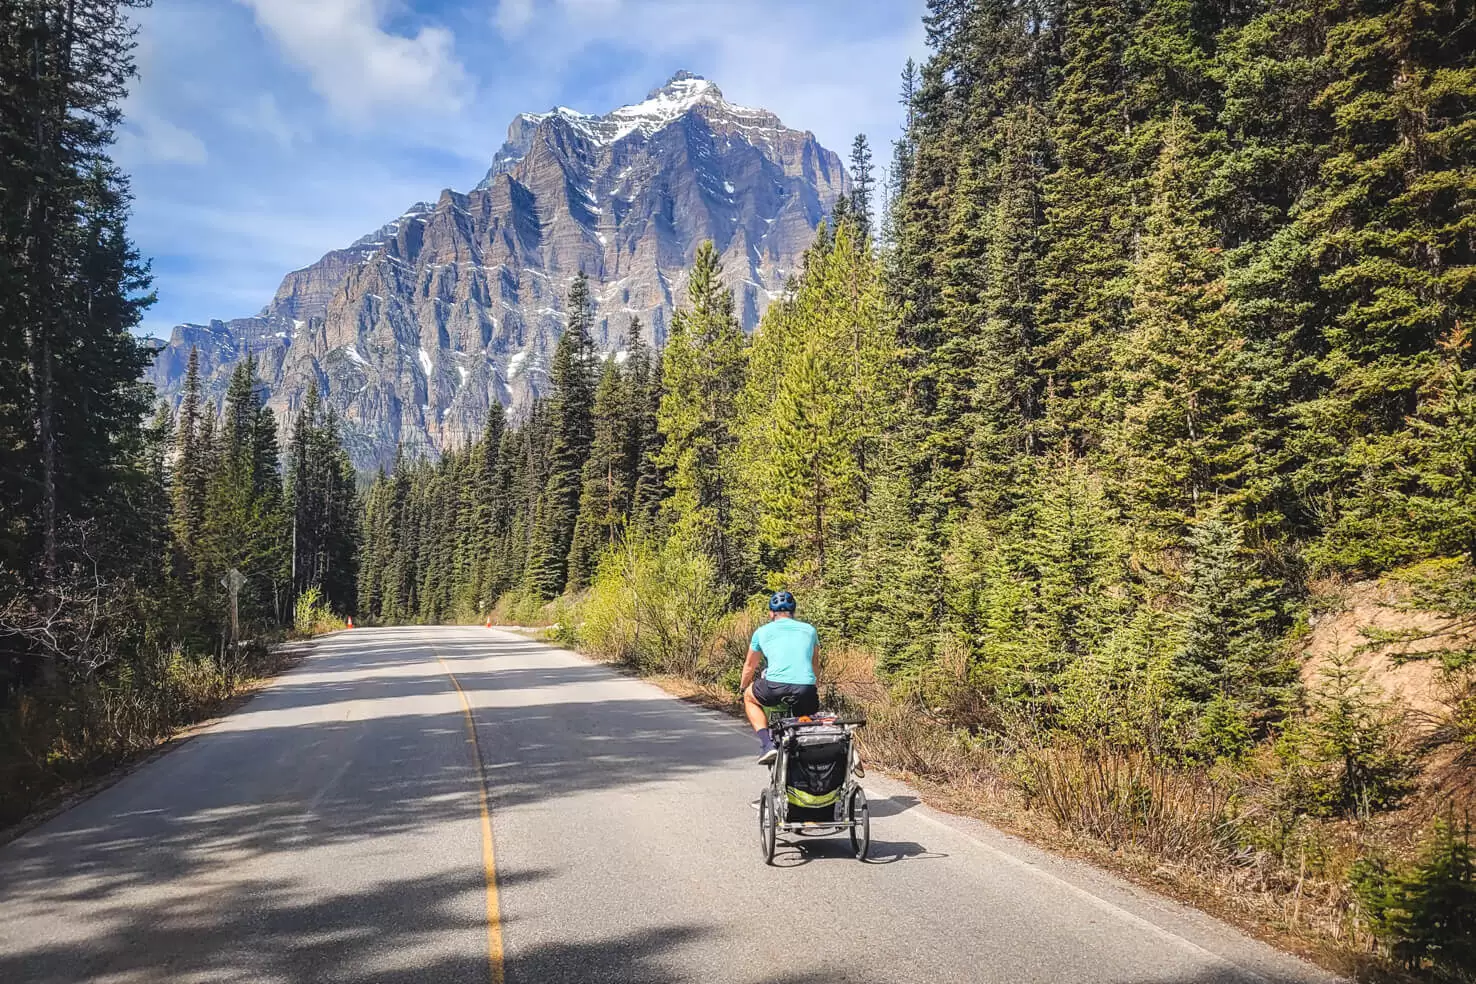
pixel 162 140
pixel 590 7
pixel 356 65
pixel 264 116
pixel 513 15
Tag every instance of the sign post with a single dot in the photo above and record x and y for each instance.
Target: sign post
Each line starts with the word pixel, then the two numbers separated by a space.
pixel 233 582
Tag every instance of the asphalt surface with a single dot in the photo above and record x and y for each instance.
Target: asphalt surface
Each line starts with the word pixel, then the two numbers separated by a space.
pixel 331 830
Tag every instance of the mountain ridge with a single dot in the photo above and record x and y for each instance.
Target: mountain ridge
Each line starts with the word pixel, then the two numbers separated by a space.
pixel 412 330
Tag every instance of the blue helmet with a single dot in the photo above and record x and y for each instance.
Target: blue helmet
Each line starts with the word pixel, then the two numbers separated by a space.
pixel 782 601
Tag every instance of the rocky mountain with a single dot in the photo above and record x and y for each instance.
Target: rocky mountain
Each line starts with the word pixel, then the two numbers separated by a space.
pixel 412 330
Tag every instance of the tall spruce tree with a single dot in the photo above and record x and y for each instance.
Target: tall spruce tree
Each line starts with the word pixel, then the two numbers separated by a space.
pixel 608 484
pixel 73 286
pixel 572 378
pixel 322 507
pixel 643 451
pixel 244 523
pixel 702 373
pixel 1085 267
pixel 1180 368
pixel 863 184
pixel 189 460
pixel 1383 224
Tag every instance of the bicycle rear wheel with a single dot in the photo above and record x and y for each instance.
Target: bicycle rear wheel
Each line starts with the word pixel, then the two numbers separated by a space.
pixel 858 813
pixel 768 825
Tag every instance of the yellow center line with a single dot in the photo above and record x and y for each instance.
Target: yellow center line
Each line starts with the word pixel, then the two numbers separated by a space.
pixel 489 858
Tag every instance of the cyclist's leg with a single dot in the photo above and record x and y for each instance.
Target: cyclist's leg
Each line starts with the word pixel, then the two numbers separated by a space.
pixel 754 711
pixel 806 700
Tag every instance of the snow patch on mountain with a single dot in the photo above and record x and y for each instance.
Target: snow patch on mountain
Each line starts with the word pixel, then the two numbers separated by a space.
pixel 662 107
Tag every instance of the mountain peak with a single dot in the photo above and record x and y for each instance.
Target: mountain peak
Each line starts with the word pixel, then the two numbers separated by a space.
pixel 684 84
pixel 681 94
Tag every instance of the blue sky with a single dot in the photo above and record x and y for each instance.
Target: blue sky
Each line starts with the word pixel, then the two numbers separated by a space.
pixel 262 133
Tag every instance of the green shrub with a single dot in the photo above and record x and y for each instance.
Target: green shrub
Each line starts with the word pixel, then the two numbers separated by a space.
pixel 312 616
pixel 520 607
pixel 655 606
pixel 564 616
pixel 1116 695
pixel 1348 757
pixel 1424 915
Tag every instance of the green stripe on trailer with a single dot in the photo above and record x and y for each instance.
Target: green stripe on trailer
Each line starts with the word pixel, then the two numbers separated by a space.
pixel 798 797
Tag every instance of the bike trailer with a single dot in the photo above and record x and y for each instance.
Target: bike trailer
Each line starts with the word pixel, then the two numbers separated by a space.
pixel 819 757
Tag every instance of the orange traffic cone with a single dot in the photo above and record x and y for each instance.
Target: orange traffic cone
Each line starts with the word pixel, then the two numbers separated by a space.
pixel 489 622
pixel 351 622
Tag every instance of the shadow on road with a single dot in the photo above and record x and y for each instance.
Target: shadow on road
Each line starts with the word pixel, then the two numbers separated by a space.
pixel 892 806
pixel 797 851
pixel 637 959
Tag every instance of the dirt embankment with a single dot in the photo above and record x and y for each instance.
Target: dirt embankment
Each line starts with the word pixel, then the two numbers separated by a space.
pixel 1350 614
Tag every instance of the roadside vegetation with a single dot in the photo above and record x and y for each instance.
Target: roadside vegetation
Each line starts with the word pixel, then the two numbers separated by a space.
pixel 1160 350
pixel 117 528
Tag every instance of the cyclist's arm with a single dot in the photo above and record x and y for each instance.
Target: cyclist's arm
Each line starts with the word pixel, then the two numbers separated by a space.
pixel 750 668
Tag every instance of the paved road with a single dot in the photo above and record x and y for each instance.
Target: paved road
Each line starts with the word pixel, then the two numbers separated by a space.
pixel 332 830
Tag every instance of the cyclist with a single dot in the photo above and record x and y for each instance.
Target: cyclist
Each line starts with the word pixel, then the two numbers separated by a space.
pixel 787 646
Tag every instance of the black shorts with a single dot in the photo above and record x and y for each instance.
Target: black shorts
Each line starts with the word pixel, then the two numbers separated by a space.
pixel 797 698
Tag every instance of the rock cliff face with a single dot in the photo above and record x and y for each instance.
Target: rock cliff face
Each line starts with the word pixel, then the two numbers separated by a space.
pixel 413 330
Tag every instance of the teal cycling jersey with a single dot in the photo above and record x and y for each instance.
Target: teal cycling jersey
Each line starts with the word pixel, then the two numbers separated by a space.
pixel 788 647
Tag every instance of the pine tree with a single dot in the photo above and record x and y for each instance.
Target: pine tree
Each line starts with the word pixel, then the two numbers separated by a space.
pixel 902 151
pixel 1443 452
pixel 72 285
pixel 862 184
pixel 605 502
pixel 323 512
pixel 1383 228
pixel 1181 441
pixel 1088 220
pixel 649 490
pixel 243 524
pixel 702 373
pixel 1071 545
pixel 189 464
pixel 487 515
pixel 815 492
pixel 573 382
pixel 1009 402
pixel 1232 670
pixel 818 398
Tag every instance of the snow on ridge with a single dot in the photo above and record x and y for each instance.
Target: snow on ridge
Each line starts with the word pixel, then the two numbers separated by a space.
pixel 425 361
pixel 658 110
